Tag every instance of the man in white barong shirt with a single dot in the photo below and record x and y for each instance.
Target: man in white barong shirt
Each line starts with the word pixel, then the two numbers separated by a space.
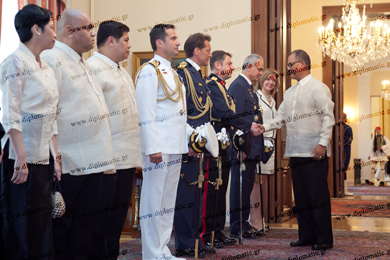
pixel 164 138
pixel 84 137
pixel 307 112
pixel 113 47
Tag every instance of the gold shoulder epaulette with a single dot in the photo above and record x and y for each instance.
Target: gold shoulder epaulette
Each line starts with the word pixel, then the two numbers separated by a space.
pixel 155 63
pixel 182 65
pixel 214 78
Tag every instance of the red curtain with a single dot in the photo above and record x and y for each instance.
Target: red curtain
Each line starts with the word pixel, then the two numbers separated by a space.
pixel 55 6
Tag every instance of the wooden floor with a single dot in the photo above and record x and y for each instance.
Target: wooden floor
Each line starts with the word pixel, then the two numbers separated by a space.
pixel 351 224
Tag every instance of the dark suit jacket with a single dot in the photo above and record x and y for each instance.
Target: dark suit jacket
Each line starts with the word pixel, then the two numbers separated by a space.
pixel 221 110
pixel 201 91
pixel 247 107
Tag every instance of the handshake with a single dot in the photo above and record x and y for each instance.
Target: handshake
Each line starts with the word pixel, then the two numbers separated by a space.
pixel 257 129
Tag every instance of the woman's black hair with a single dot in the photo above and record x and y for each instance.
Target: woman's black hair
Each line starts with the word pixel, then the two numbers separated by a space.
pixel 28 16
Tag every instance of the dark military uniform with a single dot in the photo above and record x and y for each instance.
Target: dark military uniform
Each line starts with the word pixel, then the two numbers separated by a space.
pixel 199 109
pixel 247 107
pixel 223 116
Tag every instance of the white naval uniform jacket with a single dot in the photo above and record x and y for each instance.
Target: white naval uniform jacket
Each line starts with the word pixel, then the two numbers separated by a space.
pixel 162 127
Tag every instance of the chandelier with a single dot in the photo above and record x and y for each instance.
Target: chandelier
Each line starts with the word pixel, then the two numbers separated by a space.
pixel 385 90
pixel 352 43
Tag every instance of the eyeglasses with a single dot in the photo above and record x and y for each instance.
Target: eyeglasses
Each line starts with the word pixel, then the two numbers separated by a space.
pixel 289 65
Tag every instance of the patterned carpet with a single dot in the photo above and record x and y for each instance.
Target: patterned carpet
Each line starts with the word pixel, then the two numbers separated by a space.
pixel 348 206
pixel 370 190
pixel 275 245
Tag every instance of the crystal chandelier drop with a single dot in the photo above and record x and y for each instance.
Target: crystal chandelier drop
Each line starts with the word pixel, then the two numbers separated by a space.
pixel 351 43
pixel 385 90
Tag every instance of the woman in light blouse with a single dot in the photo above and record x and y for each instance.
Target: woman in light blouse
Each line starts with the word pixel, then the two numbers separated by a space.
pixel 30 99
pixel 265 88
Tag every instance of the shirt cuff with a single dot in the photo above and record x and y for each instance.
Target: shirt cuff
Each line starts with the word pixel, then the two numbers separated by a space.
pixel 324 142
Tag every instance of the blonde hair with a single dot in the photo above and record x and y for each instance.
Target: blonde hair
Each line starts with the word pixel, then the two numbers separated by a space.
pixel 266 73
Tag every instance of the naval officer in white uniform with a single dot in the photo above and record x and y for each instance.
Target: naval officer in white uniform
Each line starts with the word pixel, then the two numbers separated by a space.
pixel 164 138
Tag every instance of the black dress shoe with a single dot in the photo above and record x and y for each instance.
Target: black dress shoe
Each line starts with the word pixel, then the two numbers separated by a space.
pixel 206 250
pixel 217 244
pixel 322 247
pixel 246 233
pixel 227 241
pixel 258 233
pixel 300 243
pixel 190 253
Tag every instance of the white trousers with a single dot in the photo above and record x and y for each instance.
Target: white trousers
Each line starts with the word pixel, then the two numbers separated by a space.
pixel 158 198
pixel 374 168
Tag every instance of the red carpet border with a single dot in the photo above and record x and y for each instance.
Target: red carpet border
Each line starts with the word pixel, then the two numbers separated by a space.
pixel 367 208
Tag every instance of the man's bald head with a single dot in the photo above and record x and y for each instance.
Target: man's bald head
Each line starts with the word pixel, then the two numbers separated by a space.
pixel 74 29
pixel 72 17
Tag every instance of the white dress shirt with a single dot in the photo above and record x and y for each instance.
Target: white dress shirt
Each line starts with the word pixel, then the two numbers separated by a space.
pixel 85 147
pixel 247 80
pixel 29 100
pixel 121 100
pixel 162 127
pixel 193 63
pixel 307 111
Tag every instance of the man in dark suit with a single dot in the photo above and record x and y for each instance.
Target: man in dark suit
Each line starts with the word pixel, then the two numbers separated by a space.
pixel 348 137
pixel 246 106
pixel 198 52
pixel 223 116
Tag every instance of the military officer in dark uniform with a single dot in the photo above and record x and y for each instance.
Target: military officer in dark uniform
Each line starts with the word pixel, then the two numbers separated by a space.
pixel 223 116
pixel 348 137
pixel 198 52
pixel 246 106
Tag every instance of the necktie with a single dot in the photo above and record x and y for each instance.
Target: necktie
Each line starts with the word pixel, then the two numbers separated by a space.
pixel 117 64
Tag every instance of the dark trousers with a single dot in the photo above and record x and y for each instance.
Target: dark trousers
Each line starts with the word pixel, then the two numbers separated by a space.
pixel 73 231
pixel 185 220
pixel 347 158
pixel 248 180
pixel 312 200
pixel 114 203
pixel 25 208
pixel 209 201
